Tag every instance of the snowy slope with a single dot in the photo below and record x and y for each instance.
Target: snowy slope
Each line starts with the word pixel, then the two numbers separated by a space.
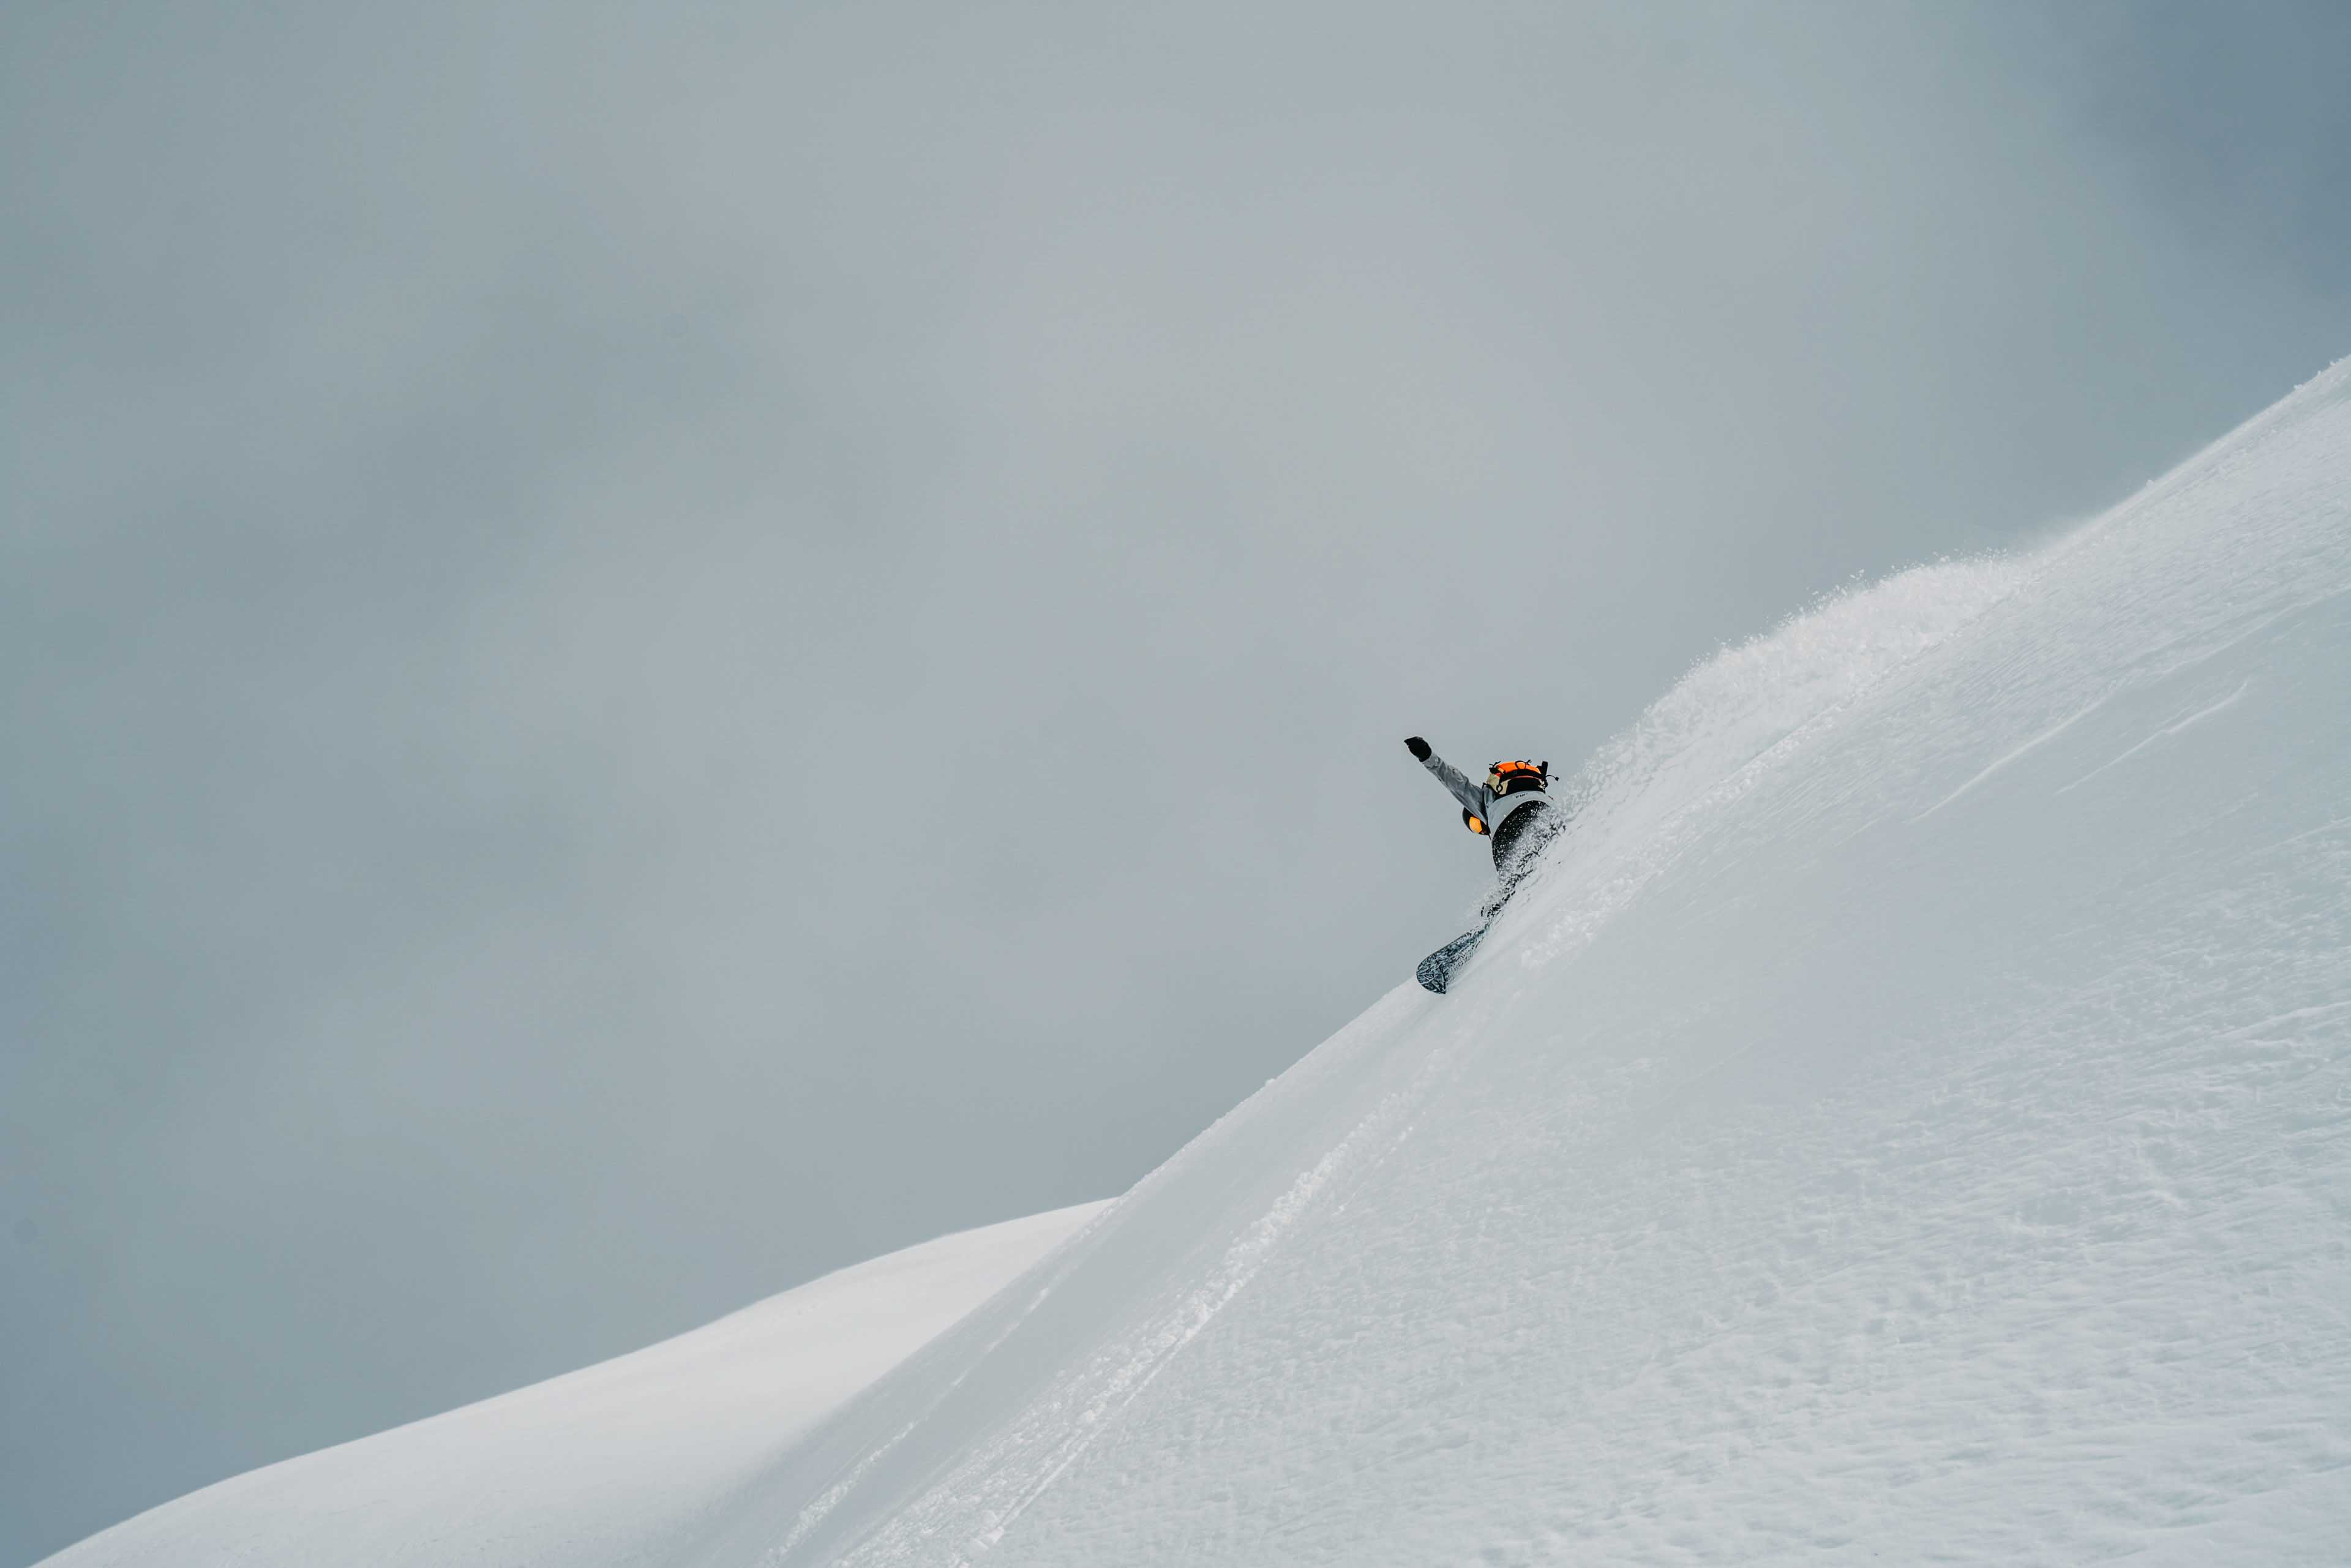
pixel 626 1462
pixel 1910 1121
pixel 1907 1119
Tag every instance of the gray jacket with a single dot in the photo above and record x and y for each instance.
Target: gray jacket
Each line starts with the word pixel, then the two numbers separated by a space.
pixel 1475 798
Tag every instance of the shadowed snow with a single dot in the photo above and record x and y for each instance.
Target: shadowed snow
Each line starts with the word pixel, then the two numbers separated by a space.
pixel 619 1463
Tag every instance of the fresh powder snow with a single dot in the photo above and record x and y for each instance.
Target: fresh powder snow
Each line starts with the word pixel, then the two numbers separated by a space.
pixel 626 1462
pixel 1907 1118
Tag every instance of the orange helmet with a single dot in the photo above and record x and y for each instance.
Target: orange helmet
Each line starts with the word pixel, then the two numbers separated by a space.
pixel 1514 778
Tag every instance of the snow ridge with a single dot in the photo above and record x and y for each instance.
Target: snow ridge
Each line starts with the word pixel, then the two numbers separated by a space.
pixel 1857 1144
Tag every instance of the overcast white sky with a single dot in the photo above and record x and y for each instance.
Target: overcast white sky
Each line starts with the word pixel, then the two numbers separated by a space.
pixel 650 649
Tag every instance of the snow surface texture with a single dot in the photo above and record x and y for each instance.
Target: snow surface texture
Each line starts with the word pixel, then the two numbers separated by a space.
pixel 1909 1119
pixel 627 1462
pixel 1905 1119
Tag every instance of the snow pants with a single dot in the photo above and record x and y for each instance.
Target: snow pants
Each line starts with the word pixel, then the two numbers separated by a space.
pixel 1521 837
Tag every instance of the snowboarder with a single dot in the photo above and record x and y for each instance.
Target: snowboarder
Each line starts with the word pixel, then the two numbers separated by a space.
pixel 1513 809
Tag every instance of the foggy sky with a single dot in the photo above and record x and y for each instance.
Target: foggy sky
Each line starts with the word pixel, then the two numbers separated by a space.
pixel 651 649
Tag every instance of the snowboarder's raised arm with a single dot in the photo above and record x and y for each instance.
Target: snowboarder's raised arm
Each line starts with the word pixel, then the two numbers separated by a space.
pixel 1473 797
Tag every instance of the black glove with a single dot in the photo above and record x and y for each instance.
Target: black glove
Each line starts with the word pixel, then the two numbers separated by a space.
pixel 1418 747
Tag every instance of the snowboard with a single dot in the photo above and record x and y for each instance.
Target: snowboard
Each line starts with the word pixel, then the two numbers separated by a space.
pixel 1436 971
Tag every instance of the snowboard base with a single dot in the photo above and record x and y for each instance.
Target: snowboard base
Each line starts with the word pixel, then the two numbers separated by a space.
pixel 1436 971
